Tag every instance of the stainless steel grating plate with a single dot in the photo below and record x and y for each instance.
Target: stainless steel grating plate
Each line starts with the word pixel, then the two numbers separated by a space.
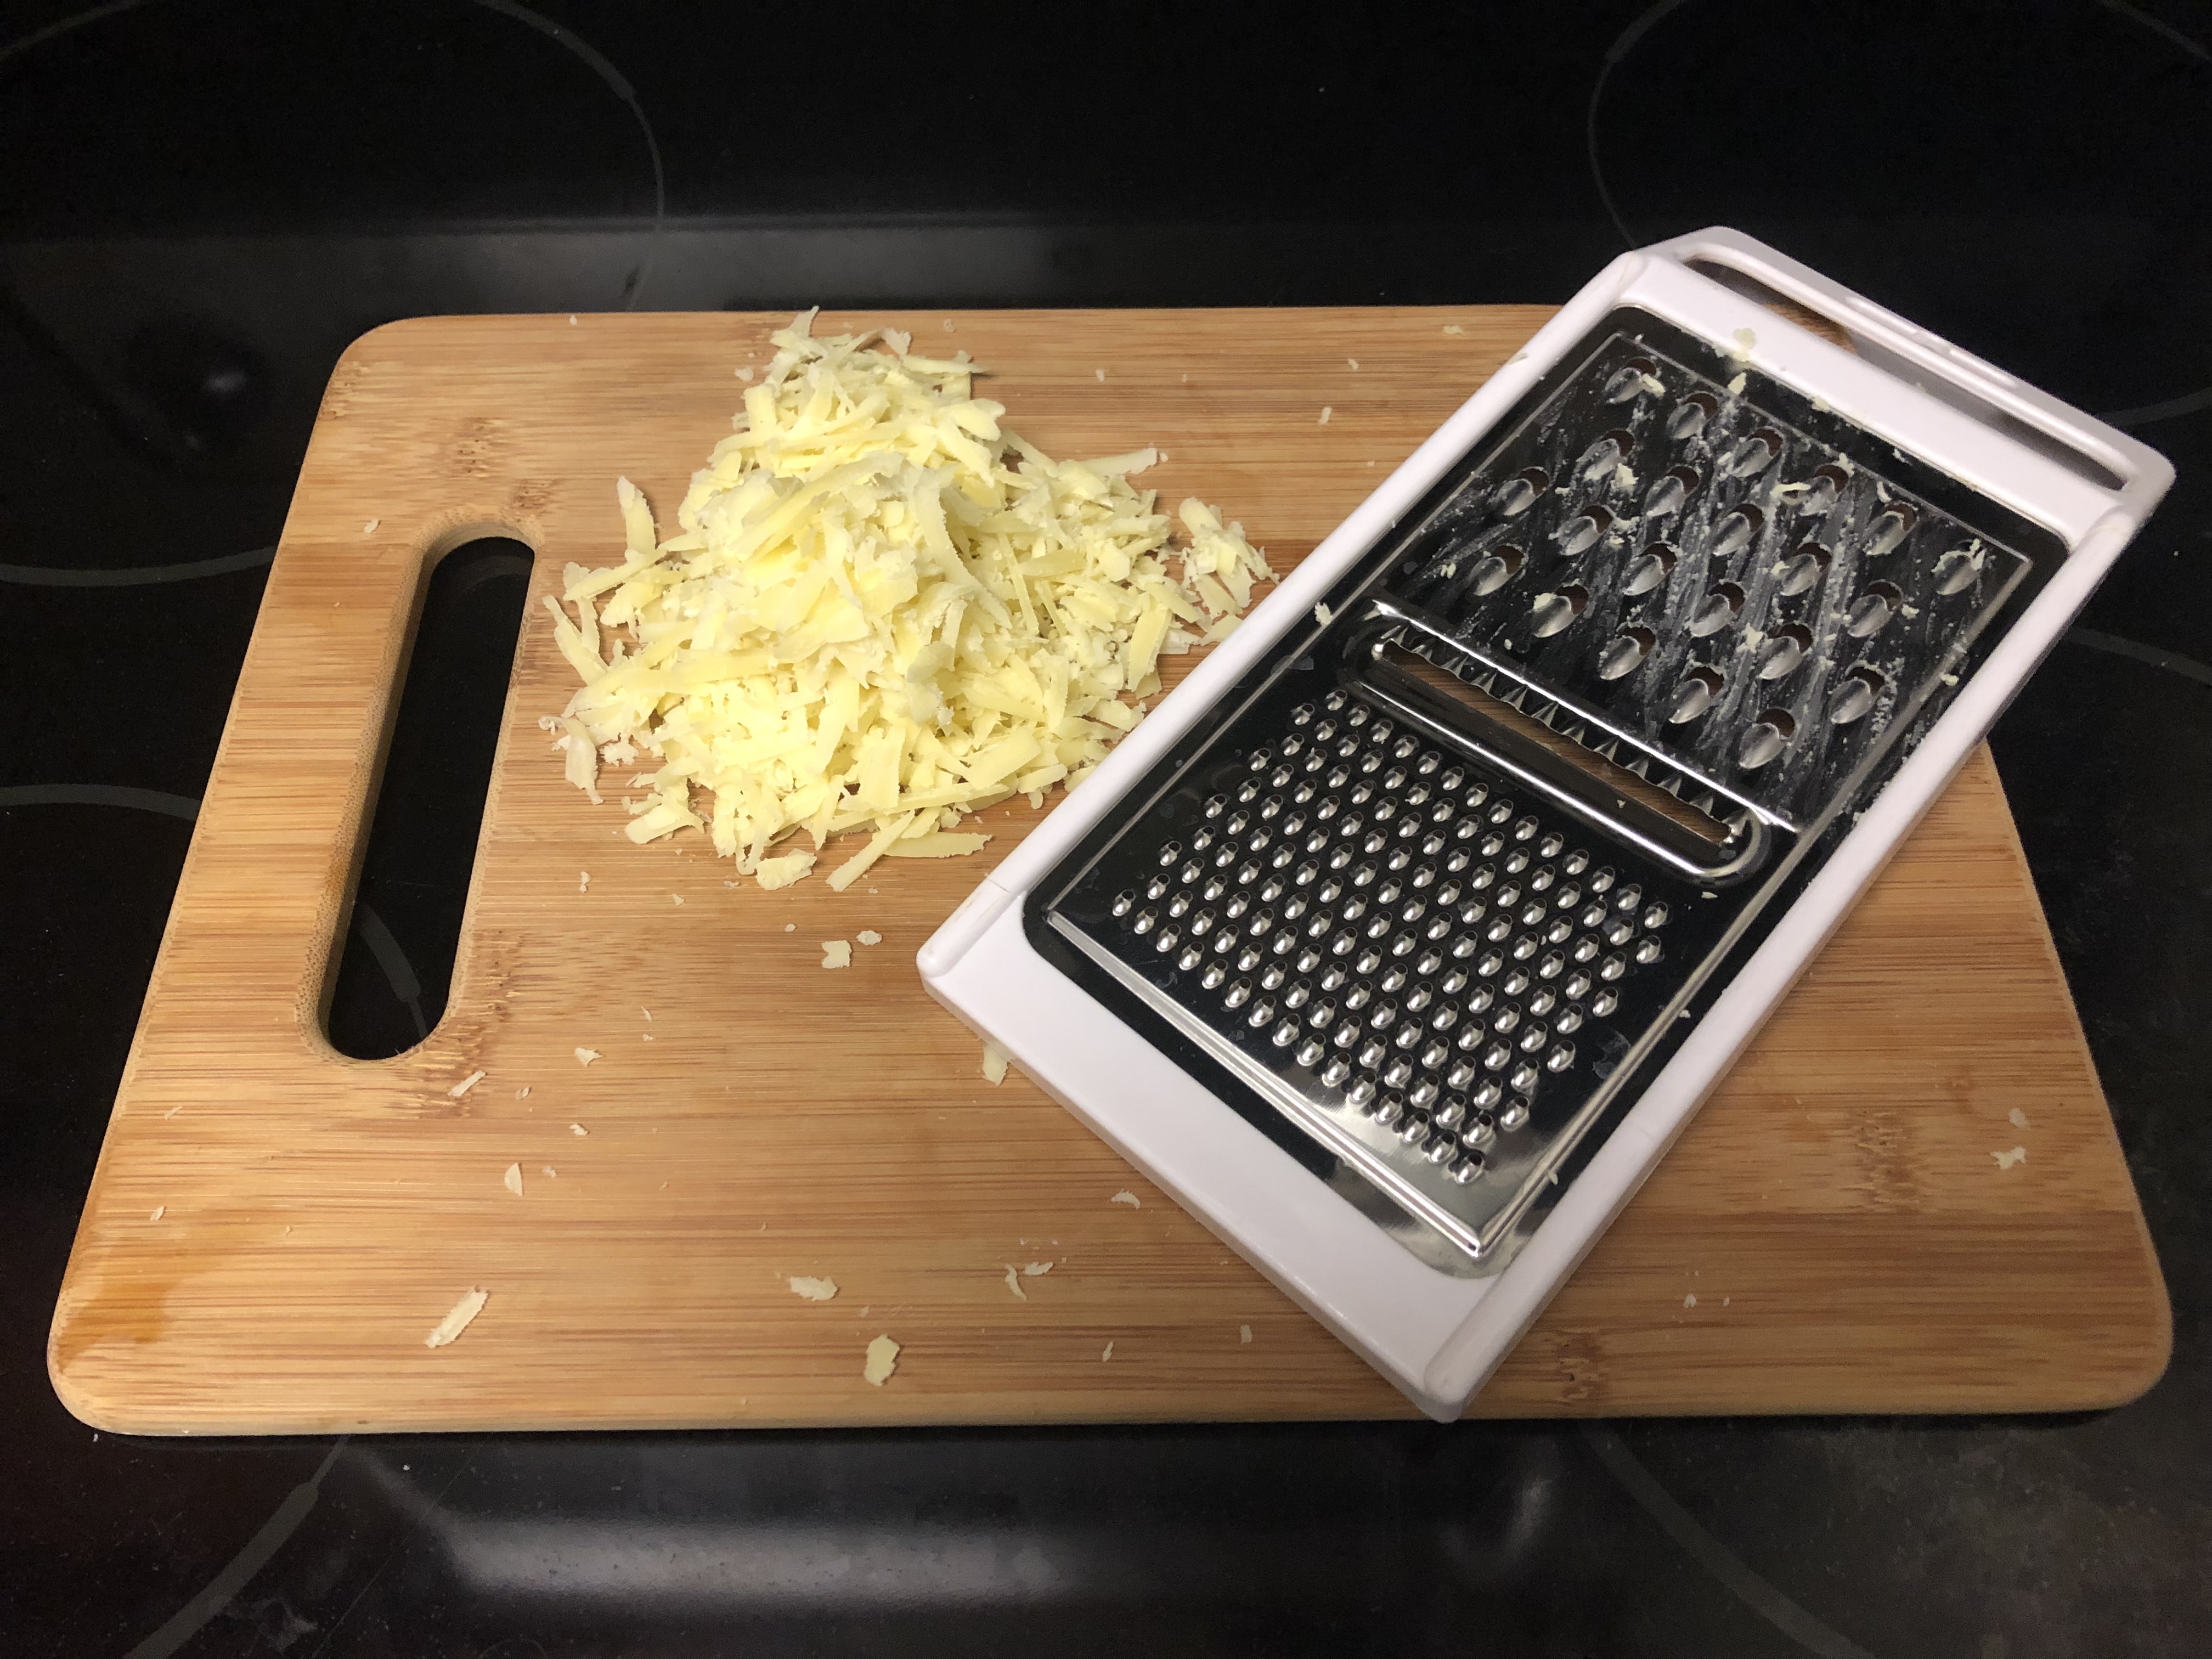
pixel 1434 888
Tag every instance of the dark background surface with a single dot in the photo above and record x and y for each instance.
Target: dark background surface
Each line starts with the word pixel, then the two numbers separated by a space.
pixel 202 202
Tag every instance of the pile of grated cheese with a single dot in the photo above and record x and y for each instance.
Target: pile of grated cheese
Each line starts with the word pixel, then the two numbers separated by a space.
pixel 880 610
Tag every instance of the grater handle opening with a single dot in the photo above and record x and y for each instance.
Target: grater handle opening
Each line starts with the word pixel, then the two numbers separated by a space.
pixel 2091 450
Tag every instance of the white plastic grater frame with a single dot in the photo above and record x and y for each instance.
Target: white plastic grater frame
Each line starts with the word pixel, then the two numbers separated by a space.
pixel 1436 1337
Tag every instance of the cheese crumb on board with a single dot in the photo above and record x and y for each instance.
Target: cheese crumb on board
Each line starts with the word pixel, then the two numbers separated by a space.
pixel 464 1086
pixel 878 610
pixel 583 881
pixel 2019 1118
pixel 549 1170
pixel 812 1290
pixel 676 898
pixel 2006 1160
pixel 1326 411
pixel 522 1093
pixel 995 1064
pixel 513 1178
pixel 1691 1300
pixel 1354 362
pixel 1014 1283
pixel 1127 1197
pixel 790 926
pixel 837 953
pixel 1454 328
pixel 1108 1355
pixel 781 871
pixel 578 1129
pixel 160 1210
pixel 883 1360
pixel 455 1322
pixel 1244 1332
pixel 1036 1269
pixel 585 1056
pixel 870 936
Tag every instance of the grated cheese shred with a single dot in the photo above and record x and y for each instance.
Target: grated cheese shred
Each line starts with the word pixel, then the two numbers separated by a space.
pixel 880 610
pixel 882 1361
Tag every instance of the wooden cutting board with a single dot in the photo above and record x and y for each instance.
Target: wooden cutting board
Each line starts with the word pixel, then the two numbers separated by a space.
pixel 274 1229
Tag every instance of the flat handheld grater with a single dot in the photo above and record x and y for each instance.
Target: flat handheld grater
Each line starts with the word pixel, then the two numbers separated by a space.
pixel 1401 941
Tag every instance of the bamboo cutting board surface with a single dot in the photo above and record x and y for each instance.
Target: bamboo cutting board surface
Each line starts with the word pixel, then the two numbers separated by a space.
pixel 274 1229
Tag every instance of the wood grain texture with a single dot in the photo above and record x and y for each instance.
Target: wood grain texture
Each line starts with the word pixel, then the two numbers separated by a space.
pixel 1836 1211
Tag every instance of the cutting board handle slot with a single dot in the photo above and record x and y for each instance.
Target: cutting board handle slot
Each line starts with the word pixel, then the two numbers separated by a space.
pixel 395 957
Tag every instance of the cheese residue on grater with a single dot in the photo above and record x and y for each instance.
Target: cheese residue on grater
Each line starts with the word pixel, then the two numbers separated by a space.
pixel 880 610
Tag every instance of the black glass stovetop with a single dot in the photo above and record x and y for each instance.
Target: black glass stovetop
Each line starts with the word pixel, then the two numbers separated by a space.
pixel 202 202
